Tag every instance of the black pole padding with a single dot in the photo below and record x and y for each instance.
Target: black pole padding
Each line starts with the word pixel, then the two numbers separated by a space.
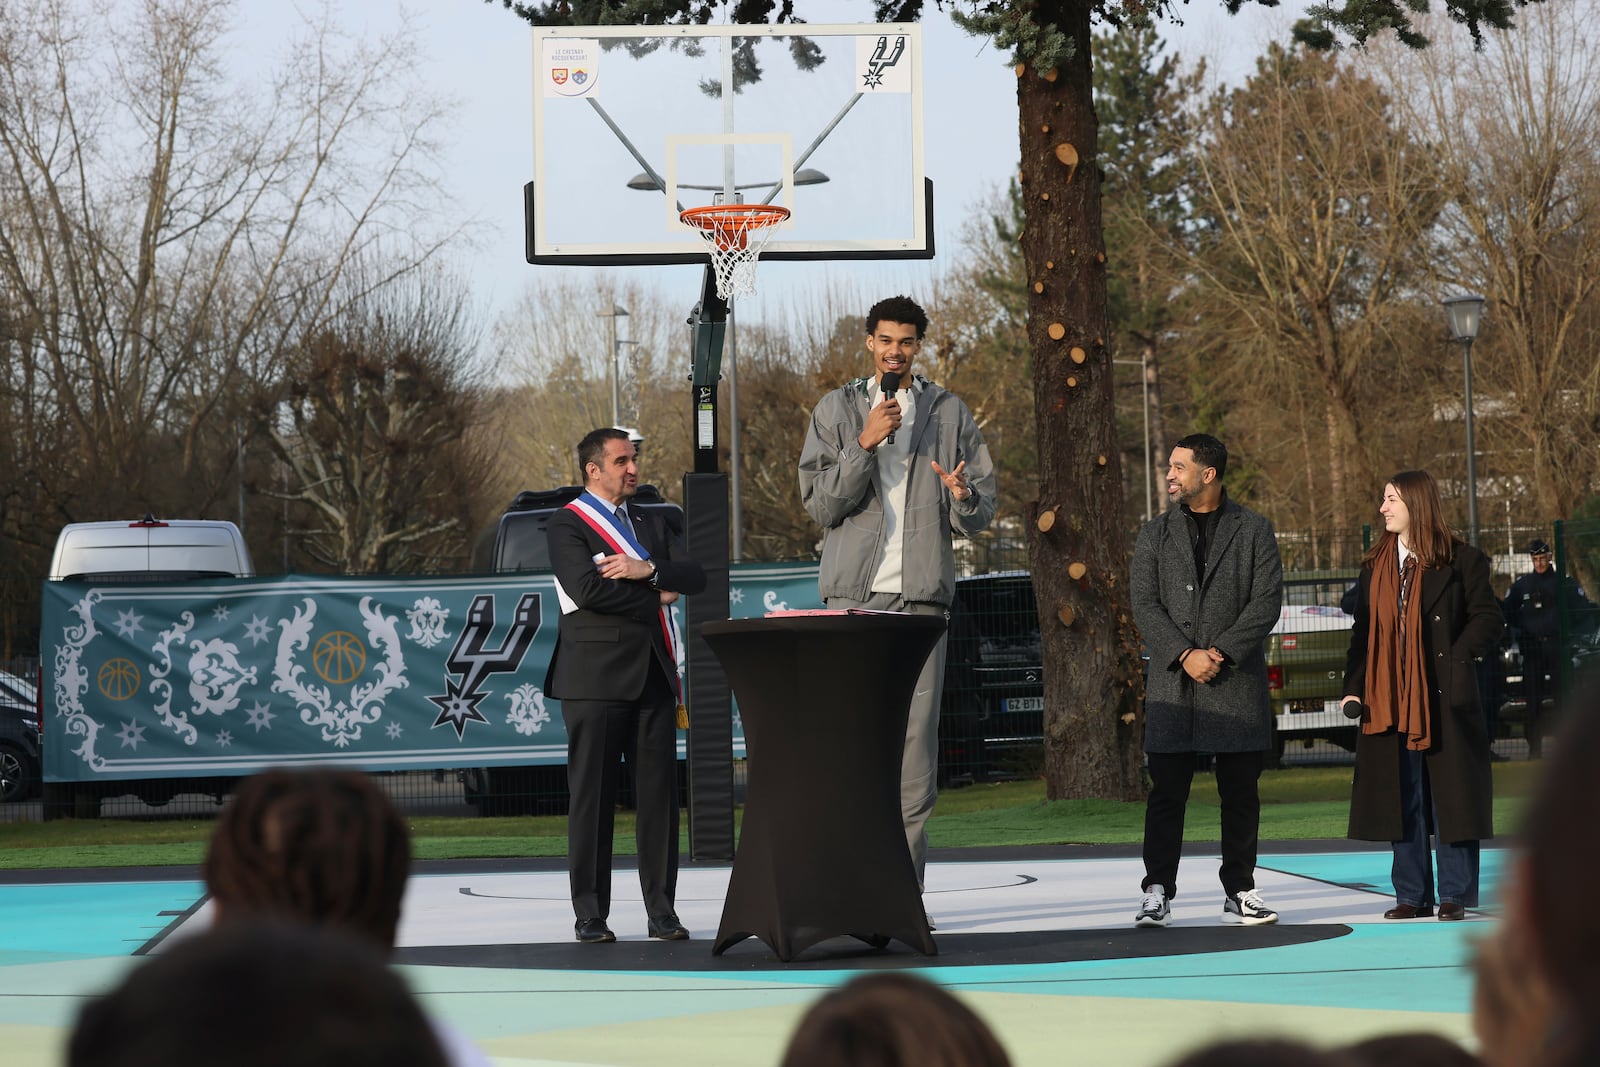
pixel 710 741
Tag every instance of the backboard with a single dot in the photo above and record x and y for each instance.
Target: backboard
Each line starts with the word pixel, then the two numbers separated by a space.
pixel 633 124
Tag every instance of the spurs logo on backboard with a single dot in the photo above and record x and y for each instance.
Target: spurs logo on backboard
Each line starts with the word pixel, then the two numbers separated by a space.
pixel 473 662
pixel 884 56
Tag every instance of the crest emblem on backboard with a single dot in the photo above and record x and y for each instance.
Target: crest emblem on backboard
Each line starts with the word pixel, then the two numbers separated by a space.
pixel 573 64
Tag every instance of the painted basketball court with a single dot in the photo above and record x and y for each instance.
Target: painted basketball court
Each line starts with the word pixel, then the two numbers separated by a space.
pixel 1040 940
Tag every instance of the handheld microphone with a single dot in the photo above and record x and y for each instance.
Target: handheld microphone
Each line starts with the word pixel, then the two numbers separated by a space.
pixel 1357 710
pixel 891 386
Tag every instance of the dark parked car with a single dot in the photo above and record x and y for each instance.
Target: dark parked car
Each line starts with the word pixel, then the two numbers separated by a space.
pixel 991 719
pixel 19 738
pixel 1507 688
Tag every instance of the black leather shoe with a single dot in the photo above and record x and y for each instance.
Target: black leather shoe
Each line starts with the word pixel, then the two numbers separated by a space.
pixel 1451 912
pixel 593 931
pixel 1411 911
pixel 667 928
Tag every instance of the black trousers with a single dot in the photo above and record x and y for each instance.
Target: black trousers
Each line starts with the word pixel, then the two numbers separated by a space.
pixel 1539 658
pixel 1171 774
pixel 643 732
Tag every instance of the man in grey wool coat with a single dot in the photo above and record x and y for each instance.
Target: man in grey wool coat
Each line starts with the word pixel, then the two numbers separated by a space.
pixel 1207 588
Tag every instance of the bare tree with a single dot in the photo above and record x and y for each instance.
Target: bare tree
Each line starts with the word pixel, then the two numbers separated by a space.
pixel 371 417
pixel 167 230
pixel 1516 128
pixel 1316 208
pixel 556 374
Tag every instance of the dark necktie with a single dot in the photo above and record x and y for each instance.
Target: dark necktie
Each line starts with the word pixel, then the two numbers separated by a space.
pixel 1408 571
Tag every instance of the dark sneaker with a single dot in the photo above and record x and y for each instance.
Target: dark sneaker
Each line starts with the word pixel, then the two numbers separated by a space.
pixel 1247 909
pixel 1154 910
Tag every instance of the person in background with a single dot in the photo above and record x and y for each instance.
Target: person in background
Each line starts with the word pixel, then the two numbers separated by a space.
pixel 892 1020
pixel 1207 587
pixel 892 476
pixel 258 994
pixel 324 848
pixel 1426 614
pixel 1533 610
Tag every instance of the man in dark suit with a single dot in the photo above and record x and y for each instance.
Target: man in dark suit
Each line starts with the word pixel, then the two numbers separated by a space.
pixel 615 672
pixel 1207 586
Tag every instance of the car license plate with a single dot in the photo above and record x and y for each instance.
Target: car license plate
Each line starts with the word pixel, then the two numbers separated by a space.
pixel 1022 704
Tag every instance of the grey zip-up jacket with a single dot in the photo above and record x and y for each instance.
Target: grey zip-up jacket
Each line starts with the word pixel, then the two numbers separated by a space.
pixel 839 488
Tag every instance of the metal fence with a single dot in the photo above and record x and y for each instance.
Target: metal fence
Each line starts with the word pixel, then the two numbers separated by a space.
pixel 992 716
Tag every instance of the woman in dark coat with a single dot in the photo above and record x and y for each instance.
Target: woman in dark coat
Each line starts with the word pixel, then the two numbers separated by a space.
pixel 1422 757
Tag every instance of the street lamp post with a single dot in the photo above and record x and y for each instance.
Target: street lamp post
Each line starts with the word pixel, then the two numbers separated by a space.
pixel 617 311
pixel 1143 363
pixel 1466 311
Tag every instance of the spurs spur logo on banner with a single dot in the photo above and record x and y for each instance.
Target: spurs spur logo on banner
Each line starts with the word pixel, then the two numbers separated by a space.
pixel 473 662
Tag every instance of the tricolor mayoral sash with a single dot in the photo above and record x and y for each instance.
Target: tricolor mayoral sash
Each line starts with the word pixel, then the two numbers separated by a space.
pixel 602 519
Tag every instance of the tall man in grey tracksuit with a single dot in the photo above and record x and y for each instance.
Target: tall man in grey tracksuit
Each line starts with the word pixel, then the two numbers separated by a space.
pixel 891 479
pixel 1207 588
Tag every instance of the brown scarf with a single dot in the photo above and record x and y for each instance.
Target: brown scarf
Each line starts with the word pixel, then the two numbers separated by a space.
pixel 1397 676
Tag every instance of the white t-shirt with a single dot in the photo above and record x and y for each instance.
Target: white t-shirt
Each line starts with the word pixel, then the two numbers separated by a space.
pixel 894 465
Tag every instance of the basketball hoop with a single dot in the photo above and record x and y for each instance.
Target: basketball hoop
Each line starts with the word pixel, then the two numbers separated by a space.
pixel 735 234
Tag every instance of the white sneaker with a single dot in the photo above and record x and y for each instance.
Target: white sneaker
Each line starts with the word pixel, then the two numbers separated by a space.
pixel 1154 910
pixel 1247 909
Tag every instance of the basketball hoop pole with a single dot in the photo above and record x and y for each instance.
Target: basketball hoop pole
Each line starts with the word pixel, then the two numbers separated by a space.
pixel 708 325
pixel 709 744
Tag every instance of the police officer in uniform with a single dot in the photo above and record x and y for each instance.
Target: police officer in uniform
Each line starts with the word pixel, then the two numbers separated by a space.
pixel 1534 606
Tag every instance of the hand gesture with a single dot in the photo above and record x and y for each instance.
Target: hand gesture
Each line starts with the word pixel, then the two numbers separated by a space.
pixel 955 481
pixel 1203 664
pixel 622 567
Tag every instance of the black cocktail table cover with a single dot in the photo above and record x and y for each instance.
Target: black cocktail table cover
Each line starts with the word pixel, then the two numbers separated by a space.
pixel 822 852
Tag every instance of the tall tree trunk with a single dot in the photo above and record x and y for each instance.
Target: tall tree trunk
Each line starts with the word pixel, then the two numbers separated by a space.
pixel 1336 472
pixel 1077 543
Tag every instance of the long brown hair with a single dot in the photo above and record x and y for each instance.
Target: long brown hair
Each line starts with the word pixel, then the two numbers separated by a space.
pixel 1431 537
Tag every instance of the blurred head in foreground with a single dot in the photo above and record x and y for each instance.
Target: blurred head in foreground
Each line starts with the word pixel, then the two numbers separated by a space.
pixel 325 847
pixel 892 1020
pixel 258 995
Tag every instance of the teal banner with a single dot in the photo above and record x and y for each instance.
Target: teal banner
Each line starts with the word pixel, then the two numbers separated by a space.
pixel 229 676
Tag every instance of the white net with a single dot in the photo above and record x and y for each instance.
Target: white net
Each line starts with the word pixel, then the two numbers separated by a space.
pixel 735 234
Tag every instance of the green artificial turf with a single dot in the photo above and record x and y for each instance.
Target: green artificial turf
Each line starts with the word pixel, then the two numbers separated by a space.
pixel 1304 803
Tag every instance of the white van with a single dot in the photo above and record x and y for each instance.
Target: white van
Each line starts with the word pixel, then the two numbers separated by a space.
pixel 147 550
pixel 150 549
